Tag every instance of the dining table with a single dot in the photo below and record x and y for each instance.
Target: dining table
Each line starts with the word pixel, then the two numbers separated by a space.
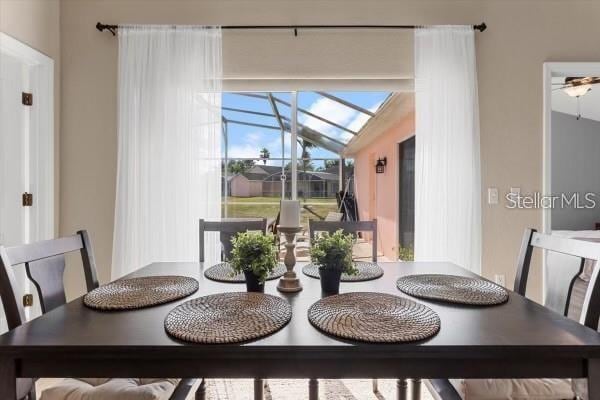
pixel 517 339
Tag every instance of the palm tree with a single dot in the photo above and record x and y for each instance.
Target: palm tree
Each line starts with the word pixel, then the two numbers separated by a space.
pixel 265 154
pixel 306 163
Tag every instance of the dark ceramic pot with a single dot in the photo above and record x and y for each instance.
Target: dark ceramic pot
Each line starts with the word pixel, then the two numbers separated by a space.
pixel 253 284
pixel 330 280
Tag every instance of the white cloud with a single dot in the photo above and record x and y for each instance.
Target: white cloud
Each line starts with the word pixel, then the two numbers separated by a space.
pixel 331 110
pixel 359 121
pixel 243 151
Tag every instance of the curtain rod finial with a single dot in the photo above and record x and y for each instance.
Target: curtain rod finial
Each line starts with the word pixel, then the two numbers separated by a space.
pixel 481 27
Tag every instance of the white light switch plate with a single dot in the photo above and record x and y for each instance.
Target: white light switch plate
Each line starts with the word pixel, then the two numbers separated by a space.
pixel 492 196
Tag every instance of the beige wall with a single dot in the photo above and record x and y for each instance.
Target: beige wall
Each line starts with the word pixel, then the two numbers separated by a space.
pixel 37 24
pixel 521 36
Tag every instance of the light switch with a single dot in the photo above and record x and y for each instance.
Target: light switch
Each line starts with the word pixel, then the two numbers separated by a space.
pixel 492 196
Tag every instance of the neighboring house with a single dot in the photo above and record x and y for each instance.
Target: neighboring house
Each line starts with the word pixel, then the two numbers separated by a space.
pixel 264 169
pixel 310 184
pixel 265 180
pixel 246 185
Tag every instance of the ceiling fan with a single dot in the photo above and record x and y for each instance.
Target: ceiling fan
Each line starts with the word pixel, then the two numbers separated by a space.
pixel 577 87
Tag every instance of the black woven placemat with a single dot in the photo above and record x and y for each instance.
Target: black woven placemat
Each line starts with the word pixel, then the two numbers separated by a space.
pixel 127 294
pixel 366 271
pixel 228 317
pixel 222 272
pixel 374 317
pixel 453 289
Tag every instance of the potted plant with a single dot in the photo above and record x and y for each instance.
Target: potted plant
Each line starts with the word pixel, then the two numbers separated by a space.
pixel 333 254
pixel 255 255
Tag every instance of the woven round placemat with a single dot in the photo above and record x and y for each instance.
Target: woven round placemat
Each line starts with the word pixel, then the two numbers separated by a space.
pixel 374 317
pixel 222 272
pixel 228 317
pixel 453 289
pixel 127 294
pixel 366 271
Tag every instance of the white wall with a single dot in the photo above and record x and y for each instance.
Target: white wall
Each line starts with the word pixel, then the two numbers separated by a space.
pixel 575 169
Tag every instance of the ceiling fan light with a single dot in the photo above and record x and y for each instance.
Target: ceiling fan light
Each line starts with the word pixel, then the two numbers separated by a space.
pixel 577 91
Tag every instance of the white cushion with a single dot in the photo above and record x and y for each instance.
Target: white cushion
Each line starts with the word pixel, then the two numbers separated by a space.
pixel 514 389
pixel 111 389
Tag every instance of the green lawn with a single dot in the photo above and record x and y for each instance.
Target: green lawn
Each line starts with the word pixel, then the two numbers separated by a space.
pixel 268 207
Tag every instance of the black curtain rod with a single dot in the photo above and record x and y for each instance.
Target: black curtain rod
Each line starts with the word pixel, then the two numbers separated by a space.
pixel 480 27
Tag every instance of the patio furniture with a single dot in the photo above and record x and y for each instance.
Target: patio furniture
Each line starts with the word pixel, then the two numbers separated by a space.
pixel 517 339
pixel 228 228
pixel 582 304
pixel 353 227
pixel 45 264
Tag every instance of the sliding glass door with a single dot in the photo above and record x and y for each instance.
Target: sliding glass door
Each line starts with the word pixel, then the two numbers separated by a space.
pixel 286 145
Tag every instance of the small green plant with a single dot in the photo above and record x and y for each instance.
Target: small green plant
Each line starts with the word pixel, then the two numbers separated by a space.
pixel 254 251
pixel 406 253
pixel 333 252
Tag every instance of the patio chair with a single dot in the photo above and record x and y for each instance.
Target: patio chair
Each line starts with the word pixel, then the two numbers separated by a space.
pixel 579 299
pixel 228 228
pixel 44 265
pixel 354 227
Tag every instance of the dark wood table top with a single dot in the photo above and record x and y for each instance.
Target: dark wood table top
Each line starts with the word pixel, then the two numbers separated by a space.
pixel 516 329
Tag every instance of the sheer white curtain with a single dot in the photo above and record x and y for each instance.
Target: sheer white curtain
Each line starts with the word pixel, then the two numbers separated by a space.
pixel 169 137
pixel 447 164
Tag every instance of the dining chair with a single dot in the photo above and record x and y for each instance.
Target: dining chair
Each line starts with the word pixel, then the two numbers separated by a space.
pixel 580 298
pixel 356 227
pixel 44 263
pixel 228 228
pixel 353 227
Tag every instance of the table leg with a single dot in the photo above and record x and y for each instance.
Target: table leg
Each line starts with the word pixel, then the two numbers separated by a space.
pixel 201 391
pixel 593 378
pixel 313 389
pixel 375 385
pixel 416 389
pixel 8 379
pixel 258 389
pixel 402 388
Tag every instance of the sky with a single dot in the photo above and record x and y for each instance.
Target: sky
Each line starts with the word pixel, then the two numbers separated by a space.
pixel 247 141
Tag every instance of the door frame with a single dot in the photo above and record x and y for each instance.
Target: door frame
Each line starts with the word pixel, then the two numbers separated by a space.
pixel 41 139
pixel 556 69
pixel 551 69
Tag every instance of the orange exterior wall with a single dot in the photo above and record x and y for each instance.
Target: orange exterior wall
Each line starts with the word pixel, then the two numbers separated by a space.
pixel 377 194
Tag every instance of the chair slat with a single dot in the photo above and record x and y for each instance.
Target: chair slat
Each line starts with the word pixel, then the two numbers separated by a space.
pixel 43 249
pixel 227 228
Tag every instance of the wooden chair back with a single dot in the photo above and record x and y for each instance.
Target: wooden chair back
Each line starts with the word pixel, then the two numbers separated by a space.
pixel 583 295
pixel 45 265
pixel 353 227
pixel 227 228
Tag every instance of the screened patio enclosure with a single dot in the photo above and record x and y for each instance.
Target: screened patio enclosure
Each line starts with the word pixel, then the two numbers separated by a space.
pixel 290 145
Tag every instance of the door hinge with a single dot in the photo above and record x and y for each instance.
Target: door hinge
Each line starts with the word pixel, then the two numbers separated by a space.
pixel 27 300
pixel 27 99
pixel 27 199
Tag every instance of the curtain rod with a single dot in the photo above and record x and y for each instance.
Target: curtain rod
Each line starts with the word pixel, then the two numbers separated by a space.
pixel 480 27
